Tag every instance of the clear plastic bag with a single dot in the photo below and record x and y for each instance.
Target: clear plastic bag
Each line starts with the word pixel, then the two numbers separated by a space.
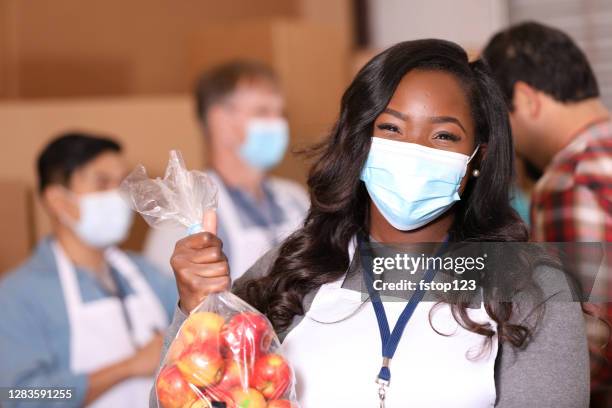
pixel 179 199
pixel 226 353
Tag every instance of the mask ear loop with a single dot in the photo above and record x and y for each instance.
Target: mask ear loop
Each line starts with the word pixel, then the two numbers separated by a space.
pixel 475 172
pixel 473 154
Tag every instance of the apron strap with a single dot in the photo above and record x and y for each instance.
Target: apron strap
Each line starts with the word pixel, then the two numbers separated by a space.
pixel 123 265
pixel 230 220
pixel 126 267
pixel 68 280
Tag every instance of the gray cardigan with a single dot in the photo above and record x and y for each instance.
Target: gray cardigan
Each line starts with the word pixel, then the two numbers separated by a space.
pixel 551 371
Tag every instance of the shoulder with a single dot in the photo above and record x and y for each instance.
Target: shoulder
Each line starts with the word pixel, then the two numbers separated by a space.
pixel 284 183
pixel 594 165
pixel 260 269
pixel 573 199
pixel 556 347
pixel 38 268
pixel 583 163
pixel 288 187
pixel 19 278
pixel 162 284
pixel 28 287
pixel 145 267
pixel 139 260
pixel 550 285
pixel 553 282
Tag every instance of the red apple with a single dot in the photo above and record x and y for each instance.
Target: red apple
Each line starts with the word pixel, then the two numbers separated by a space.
pixel 200 403
pixel 281 404
pixel 172 389
pixel 236 374
pixel 247 336
pixel 177 348
pixel 271 376
pixel 201 327
pixel 249 398
pixel 201 364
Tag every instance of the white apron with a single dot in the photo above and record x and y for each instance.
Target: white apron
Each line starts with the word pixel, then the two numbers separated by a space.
pixel 99 335
pixel 249 244
pixel 336 362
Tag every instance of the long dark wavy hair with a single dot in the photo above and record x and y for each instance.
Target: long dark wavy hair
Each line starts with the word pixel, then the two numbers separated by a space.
pixel 318 252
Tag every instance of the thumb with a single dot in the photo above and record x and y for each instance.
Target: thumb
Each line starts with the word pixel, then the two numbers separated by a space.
pixel 209 221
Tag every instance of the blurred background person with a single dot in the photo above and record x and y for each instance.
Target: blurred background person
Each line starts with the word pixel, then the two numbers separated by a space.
pixel 80 312
pixel 560 124
pixel 241 111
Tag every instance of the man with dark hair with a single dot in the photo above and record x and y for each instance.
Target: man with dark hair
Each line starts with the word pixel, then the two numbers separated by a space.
pixel 241 109
pixel 81 315
pixel 551 91
pixel 561 126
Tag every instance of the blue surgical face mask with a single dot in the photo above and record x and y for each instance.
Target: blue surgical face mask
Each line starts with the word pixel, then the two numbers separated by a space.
pixel 265 143
pixel 104 219
pixel 411 184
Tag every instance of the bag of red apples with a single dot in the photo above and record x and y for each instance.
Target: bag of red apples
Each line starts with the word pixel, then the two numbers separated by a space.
pixel 226 354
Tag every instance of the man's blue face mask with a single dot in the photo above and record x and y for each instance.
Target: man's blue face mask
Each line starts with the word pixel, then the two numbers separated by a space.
pixel 265 143
pixel 412 184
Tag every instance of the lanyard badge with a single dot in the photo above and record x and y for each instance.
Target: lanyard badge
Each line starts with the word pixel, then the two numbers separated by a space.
pixel 382 385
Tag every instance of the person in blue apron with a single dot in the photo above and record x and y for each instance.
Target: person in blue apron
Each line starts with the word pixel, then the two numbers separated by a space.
pixel 241 112
pixel 80 314
pixel 421 153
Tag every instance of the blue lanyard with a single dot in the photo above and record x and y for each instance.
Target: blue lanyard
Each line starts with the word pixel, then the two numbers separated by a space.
pixel 390 339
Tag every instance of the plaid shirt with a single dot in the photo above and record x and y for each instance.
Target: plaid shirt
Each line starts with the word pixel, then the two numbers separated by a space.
pixel 572 202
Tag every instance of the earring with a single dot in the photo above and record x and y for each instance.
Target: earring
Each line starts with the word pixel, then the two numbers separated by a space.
pixel 475 172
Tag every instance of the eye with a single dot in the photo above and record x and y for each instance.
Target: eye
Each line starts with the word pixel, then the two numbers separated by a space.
pixel 451 137
pixel 389 127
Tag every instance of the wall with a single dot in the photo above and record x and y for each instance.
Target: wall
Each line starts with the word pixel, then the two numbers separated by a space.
pixel 68 48
pixel 15 212
pixel 467 22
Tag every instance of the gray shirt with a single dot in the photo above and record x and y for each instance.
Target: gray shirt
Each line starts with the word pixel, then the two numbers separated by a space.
pixel 551 371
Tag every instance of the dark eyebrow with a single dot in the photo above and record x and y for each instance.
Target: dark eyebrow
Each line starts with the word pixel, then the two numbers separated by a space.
pixel 447 119
pixel 395 113
pixel 432 119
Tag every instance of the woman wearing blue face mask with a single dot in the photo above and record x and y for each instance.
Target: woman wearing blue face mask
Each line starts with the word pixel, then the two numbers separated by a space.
pixel 421 152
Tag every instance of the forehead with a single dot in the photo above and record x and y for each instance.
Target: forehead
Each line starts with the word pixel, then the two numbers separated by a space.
pixel 256 92
pixel 431 93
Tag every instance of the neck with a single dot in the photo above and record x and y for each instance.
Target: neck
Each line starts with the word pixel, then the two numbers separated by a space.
pixel 79 253
pixel 571 119
pixel 383 232
pixel 235 172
